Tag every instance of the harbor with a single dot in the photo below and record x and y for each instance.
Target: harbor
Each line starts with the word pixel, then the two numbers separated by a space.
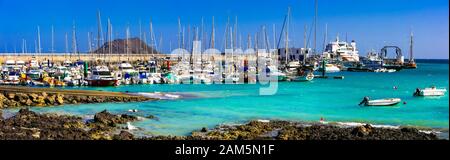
pixel 125 84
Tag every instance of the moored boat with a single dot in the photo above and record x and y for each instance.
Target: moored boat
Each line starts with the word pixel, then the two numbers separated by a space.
pixel 432 91
pixel 380 102
pixel 101 76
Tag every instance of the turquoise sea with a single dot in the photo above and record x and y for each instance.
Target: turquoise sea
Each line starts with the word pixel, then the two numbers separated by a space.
pixel 336 100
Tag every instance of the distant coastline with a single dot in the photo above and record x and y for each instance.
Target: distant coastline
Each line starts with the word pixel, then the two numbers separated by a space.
pixel 431 60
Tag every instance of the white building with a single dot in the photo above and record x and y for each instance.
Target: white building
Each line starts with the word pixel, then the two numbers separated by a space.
pixel 295 54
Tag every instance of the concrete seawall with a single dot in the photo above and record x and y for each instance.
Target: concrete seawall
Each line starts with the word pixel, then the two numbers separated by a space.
pixel 15 96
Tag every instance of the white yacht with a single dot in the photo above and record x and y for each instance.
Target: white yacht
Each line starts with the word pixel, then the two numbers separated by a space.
pixel 129 74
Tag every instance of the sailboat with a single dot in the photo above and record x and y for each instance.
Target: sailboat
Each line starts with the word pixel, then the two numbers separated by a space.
pixel 411 64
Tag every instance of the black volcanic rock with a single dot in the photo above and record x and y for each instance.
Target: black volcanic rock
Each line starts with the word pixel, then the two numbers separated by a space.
pixel 119 46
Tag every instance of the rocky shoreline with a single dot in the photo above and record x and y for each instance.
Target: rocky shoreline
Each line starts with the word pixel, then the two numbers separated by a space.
pixel 29 125
pixel 12 97
pixel 286 130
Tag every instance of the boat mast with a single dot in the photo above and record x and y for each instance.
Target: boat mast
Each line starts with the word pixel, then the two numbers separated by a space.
pixel 325 39
pixel 201 47
pixel 287 35
pixel 411 58
pixel 23 46
pixel 213 34
pixel 274 36
pixel 232 44
pixel 182 42
pixel 53 42
pixel 315 25
pixel 100 33
pixel 152 38
pixel 74 41
pixel 235 33
pixel 202 38
pixel 249 41
pixel 127 43
pixel 179 32
pixel 305 50
pixel 89 43
pixel 160 47
pixel 266 40
pixel 67 46
pixel 140 35
pixel 109 39
pixel 39 40
pixel 189 38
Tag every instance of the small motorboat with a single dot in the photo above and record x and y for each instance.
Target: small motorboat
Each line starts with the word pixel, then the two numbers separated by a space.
pixel 432 91
pixel 380 102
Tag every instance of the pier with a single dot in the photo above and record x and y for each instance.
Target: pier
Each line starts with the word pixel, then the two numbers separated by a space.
pixel 16 96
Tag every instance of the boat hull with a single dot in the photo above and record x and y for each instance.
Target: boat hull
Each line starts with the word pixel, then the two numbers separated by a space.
pixel 436 92
pixel 102 83
pixel 383 102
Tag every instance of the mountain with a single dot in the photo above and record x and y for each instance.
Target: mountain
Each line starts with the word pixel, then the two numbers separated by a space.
pixel 119 46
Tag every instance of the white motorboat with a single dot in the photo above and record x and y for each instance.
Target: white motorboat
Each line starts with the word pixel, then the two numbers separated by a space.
pixel 331 68
pixel 385 70
pixel 380 102
pixel 432 91
pixel 130 75
pixel 13 77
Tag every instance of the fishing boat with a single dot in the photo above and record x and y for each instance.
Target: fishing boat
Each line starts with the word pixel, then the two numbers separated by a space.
pixel 411 64
pixel 432 91
pixel 101 76
pixel 380 102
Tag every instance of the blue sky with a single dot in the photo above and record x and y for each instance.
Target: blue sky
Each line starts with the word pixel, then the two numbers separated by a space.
pixel 371 23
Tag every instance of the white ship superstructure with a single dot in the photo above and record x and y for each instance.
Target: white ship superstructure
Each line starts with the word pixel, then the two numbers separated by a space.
pixel 342 51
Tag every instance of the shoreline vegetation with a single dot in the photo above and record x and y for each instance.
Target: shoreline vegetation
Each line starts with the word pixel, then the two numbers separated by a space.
pixel 29 125
pixel 16 96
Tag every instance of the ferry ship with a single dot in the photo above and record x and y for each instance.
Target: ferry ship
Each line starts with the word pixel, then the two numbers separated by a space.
pixel 342 51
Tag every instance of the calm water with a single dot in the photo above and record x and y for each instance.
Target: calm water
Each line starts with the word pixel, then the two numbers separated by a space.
pixel 332 99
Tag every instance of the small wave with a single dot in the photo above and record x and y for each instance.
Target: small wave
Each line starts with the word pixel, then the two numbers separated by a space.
pixel 355 124
pixel 263 120
pixel 159 95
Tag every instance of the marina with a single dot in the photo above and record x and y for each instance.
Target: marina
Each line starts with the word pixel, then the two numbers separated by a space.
pixel 202 105
pixel 253 76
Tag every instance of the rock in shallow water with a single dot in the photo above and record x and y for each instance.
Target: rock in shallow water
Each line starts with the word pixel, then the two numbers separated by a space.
pixel 28 125
pixel 124 135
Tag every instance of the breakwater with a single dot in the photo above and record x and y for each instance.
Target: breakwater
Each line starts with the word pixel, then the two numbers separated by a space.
pixel 16 96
